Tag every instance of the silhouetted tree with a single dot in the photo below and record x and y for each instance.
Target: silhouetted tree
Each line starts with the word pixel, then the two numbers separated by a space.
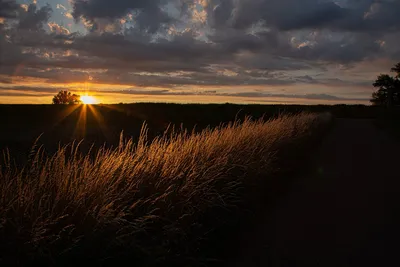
pixel 396 69
pixel 389 89
pixel 65 97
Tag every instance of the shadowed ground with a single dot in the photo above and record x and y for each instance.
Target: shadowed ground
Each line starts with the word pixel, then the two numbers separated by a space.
pixel 344 214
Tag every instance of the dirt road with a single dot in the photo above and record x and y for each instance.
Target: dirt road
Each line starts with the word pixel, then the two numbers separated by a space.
pixel 345 213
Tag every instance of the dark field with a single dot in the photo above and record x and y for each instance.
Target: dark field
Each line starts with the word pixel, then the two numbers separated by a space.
pixel 103 124
pixel 182 191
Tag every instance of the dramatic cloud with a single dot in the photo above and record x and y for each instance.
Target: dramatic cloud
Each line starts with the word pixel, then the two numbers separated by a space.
pixel 319 47
pixel 149 14
pixel 8 9
pixel 34 19
pixel 58 29
pixel 288 14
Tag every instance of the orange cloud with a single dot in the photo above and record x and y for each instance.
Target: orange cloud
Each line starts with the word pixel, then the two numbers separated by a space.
pixel 54 27
pixel 24 7
pixel 68 15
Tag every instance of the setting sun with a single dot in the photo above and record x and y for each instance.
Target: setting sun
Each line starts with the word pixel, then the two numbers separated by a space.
pixel 86 99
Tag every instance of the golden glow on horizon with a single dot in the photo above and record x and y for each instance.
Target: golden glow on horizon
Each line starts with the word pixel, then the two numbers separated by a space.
pixel 88 100
pixel 118 93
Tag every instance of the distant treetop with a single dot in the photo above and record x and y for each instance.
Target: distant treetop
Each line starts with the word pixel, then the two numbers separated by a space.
pixel 65 97
pixel 388 93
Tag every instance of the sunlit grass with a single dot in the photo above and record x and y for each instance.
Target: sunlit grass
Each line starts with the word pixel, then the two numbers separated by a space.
pixel 143 201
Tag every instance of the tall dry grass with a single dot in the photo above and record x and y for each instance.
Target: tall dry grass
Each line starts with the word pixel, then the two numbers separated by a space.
pixel 147 202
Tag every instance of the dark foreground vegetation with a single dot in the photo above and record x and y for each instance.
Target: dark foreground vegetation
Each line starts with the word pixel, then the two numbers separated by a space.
pixel 390 124
pixel 157 196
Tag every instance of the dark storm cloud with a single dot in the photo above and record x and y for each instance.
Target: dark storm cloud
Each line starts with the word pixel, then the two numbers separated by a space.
pixel 288 14
pixel 8 9
pixel 105 9
pixel 149 13
pixel 118 51
pixel 181 48
pixel 220 12
pixel 361 15
pixel 29 28
pixel 371 16
pixel 361 23
pixel 355 48
pixel 184 51
pixel 34 18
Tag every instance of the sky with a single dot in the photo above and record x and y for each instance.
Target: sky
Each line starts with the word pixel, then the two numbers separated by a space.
pixel 185 51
